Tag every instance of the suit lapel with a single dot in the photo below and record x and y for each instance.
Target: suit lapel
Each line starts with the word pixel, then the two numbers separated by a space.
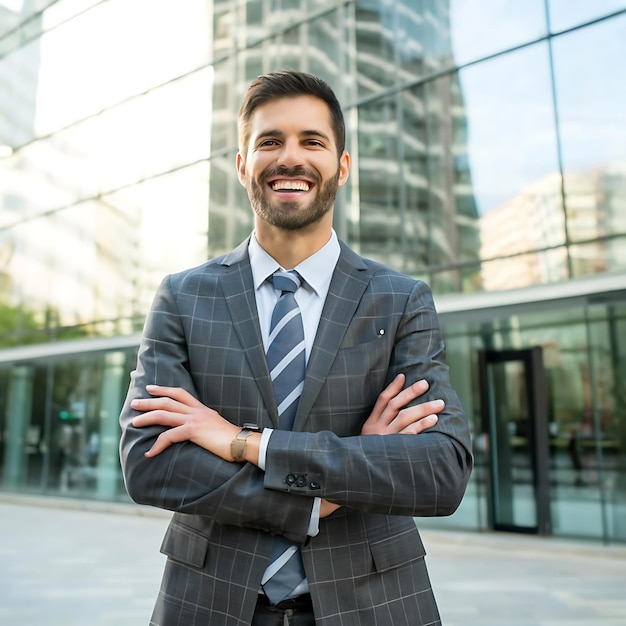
pixel 238 289
pixel 349 281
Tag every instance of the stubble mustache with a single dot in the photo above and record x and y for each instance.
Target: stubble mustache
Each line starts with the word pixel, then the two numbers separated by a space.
pixel 280 171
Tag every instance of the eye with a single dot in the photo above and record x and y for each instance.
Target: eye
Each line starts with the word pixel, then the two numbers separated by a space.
pixel 268 143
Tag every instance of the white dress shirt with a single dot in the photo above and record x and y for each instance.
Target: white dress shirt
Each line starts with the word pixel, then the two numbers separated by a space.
pixel 316 272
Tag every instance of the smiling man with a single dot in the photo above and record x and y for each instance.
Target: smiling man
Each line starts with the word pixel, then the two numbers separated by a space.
pixel 291 171
pixel 292 405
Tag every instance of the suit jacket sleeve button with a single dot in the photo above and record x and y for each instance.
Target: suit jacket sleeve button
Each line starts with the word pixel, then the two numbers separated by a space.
pixel 301 481
pixel 314 485
pixel 291 479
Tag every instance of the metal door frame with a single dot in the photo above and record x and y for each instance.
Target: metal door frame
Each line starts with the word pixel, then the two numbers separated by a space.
pixel 536 398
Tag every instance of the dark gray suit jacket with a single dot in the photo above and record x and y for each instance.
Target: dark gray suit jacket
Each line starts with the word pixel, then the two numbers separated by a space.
pixel 366 565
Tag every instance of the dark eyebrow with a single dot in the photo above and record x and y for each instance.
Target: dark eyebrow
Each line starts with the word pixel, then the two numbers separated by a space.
pixel 269 133
pixel 315 133
pixel 305 133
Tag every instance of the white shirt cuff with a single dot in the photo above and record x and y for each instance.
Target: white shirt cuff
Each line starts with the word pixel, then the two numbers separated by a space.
pixel 265 439
pixel 314 524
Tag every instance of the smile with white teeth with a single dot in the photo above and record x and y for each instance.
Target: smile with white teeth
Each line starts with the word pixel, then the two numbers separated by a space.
pixel 290 185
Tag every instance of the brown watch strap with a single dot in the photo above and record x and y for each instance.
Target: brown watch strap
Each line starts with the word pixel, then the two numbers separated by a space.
pixel 239 444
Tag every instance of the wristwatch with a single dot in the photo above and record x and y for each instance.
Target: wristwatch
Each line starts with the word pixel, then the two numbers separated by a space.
pixel 239 444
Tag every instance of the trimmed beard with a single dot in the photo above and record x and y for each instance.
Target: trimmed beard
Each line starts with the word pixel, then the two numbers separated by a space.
pixel 292 215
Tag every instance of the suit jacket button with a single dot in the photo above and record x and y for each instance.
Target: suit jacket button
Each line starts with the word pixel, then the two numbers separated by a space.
pixel 291 479
pixel 301 481
pixel 314 485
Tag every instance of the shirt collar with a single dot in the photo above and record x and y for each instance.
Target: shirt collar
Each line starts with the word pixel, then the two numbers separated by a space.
pixel 316 270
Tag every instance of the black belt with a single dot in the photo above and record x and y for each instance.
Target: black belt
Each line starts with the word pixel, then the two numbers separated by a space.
pixel 301 603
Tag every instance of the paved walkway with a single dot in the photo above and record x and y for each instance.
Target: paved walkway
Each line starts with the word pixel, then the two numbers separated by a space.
pixel 62 566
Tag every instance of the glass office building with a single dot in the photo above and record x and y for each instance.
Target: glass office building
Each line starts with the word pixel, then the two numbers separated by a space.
pixel 488 143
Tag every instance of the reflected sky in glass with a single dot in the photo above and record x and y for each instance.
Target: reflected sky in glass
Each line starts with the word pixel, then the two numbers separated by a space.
pixel 567 13
pixel 510 119
pixel 512 139
pixel 480 28
pixel 590 76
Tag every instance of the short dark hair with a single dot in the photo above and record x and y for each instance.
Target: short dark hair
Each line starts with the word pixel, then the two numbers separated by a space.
pixel 290 84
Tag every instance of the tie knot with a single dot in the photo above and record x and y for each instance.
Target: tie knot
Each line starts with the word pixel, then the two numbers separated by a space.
pixel 286 281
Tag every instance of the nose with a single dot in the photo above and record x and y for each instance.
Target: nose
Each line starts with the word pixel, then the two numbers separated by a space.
pixel 290 154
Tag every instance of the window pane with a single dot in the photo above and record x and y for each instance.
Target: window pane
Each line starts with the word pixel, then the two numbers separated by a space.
pixel 417 210
pixel 61 424
pixel 513 163
pixel 92 268
pixel 590 81
pixel 230 214
pixel 483 27
pixel 82 70
pixel 18 104
pixel 511 138
pixel 567 13
pixel 400 41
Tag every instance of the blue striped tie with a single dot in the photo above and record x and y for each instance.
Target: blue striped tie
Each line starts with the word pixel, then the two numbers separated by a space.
pixel 287 361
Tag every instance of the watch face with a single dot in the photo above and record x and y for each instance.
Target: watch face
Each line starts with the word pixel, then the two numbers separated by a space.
pixel 253 427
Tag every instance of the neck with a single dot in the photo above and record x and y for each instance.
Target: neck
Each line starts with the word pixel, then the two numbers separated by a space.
pixel 291 247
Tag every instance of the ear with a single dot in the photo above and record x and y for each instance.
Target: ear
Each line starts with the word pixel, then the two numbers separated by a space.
pixel 241 169
pixel 344 168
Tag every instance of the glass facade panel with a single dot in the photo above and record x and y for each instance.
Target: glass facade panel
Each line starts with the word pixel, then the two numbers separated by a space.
pixel 119 247
pixel 60 432
pixel 166 229
pixel 19 69
pixel 520 270
pixel 399 42
pixel 512 143
pixel 513 162
pixel 592 127
pixel 569 13
pixel 583 357
pixel 230 214
pixel 376 67
pixel 165 129
pixel 73 85
pixel 480 28
pixel 145 136
pixel 417 210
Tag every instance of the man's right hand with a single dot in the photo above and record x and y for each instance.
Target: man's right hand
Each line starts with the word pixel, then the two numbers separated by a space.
pixel 391 415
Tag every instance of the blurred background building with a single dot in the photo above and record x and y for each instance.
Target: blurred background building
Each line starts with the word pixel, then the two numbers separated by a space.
pixel 488 142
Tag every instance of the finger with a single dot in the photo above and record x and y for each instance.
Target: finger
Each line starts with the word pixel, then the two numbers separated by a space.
pixel 394 387
pixel 166 439
pixel 413 391
pixel 402 399
pixel 421 425
pixel 176 393
pixel 162 418
pixel 414 414
pixel 163 403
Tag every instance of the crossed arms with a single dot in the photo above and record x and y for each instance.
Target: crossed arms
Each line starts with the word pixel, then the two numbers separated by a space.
pixel 188 419
pixel 175 450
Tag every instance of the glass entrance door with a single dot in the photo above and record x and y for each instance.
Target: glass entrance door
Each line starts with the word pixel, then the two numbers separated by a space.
pixel 514 423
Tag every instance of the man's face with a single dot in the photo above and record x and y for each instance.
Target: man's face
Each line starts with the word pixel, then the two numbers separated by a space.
pixel 290 167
